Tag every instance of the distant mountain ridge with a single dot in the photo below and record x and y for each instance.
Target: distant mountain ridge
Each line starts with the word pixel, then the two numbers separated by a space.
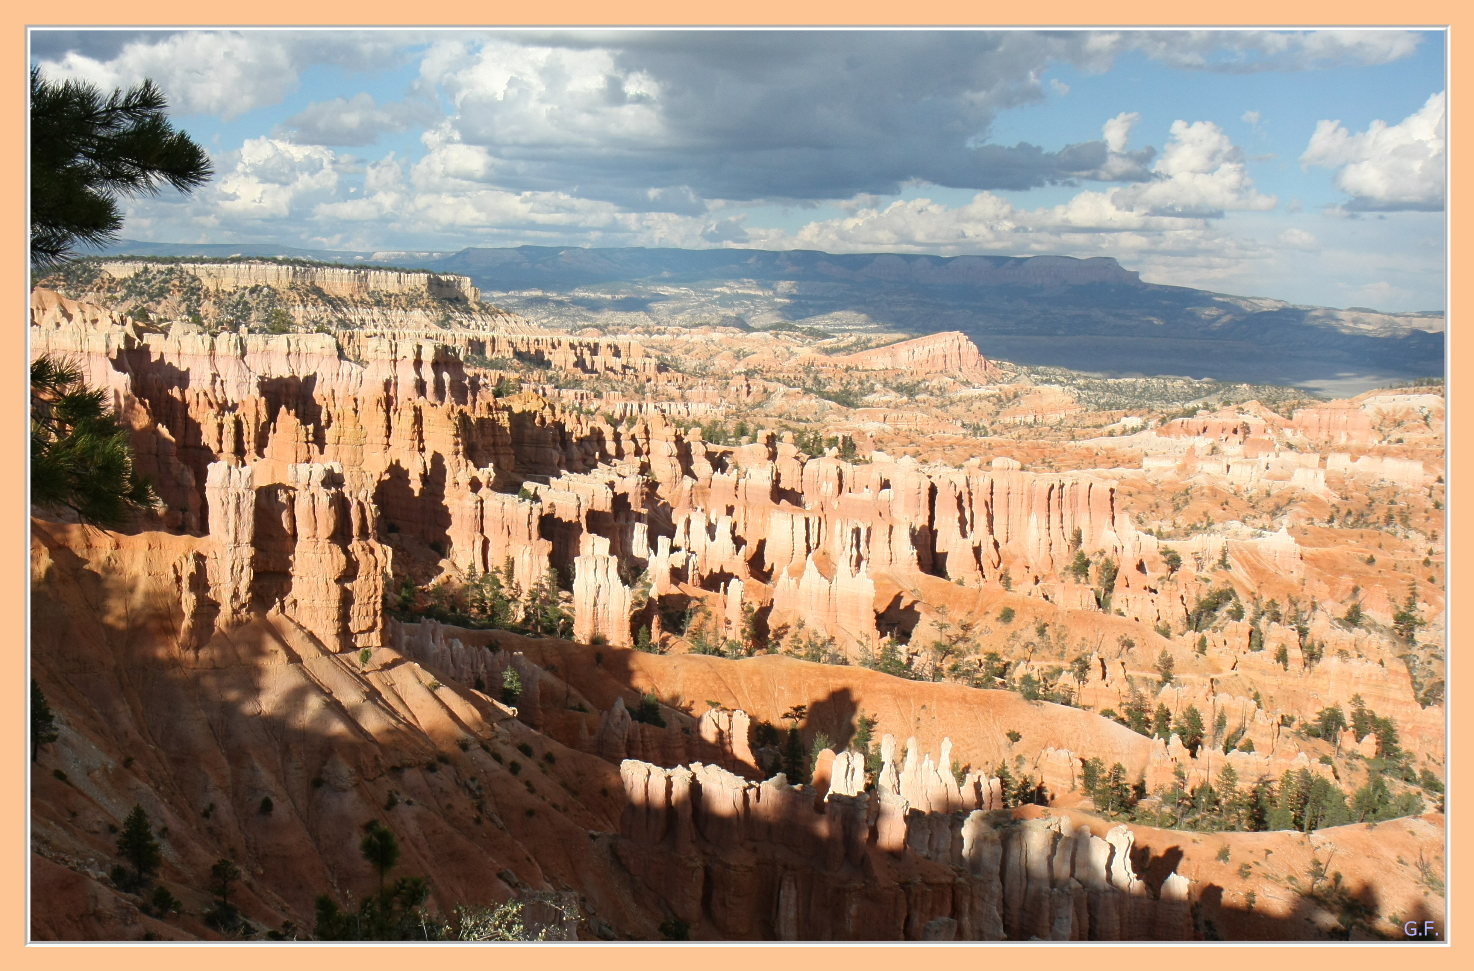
pixel 562 266
pixel 1085 314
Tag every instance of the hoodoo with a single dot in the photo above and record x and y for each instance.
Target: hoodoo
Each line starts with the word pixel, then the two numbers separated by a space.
pixel 352 600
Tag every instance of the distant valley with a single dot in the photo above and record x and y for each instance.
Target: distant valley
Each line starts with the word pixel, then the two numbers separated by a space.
pixel 1089 315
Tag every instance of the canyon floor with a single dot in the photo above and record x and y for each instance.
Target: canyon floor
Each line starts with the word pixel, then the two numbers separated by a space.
pixel 725 633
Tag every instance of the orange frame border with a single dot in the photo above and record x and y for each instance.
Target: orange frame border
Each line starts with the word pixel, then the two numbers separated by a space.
pixel 14 852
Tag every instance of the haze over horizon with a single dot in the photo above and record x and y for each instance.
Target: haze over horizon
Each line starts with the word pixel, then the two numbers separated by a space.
pixel 1303 166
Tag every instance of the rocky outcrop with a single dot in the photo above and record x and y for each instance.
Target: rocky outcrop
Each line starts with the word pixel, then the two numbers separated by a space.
pixel 1337 423
pixel 410 427
pixel 1405 472
pixel 951 352
pixel 766 860
pixel 338 564
pixel 231 499
pixel 730 733
pixel 601 601
pixel 331 280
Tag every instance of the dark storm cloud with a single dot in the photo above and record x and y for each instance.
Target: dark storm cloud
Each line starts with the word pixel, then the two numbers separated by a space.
pixel 756 115
pixel 100 45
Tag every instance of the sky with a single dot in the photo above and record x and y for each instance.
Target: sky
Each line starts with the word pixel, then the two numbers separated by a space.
pixel 1306 166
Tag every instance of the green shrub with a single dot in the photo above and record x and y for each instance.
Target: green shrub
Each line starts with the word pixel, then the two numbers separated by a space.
pixel 163 902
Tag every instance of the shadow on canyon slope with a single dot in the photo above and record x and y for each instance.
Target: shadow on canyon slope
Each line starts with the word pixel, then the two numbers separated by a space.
pixel 265 748
pixel 202 737
pixel 1336 912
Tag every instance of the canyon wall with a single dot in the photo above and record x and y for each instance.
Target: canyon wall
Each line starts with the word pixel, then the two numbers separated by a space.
pixel 336 281
pixel 770 861
pixel 948 352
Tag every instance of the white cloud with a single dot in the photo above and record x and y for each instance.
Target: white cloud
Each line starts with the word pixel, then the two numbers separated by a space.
pixel 355 121
pixel 1162 226
pixel 1380 294
pixel 226 73
pixel 511 94
pixel 1299 239
pixel 1386 167
pixel 1117 131
pixel 1200 173
pixel 275 179
pixel 639 138
pixel 1087 225
pixel 1245 51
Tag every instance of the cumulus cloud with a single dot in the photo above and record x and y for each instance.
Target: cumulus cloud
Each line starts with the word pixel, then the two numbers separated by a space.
pixel 1200 174
pixel 672 121
pixel 1166 221
pixel 662 138
pixel 223 73
pixel 1387 167
pixel 355 121
pixel 743 116
pixel 726 231
pixel 1088 225
pixel 1299 239
pixel 1121 165
pixel 274 179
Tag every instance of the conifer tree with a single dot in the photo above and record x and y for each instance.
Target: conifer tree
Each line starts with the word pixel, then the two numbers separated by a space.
pixel 1165 664
pixel 1162 722
pixel 821 742
pixel 795 764
pixel 136 845
pixel 511 686
pixel 88 150
pixel 43 722
pixel 381 849
pixel 81 458
pixel 1191 732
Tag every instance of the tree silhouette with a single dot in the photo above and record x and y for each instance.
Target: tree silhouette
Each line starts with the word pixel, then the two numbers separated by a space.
pixel 43 722
pixel 795 761
pixel 224 873
pixel 381 850
pixel 89 150
pixel 137 845
pixel 80 456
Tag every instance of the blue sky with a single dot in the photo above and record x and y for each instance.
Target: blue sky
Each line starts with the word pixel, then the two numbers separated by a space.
pixel 1305 166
